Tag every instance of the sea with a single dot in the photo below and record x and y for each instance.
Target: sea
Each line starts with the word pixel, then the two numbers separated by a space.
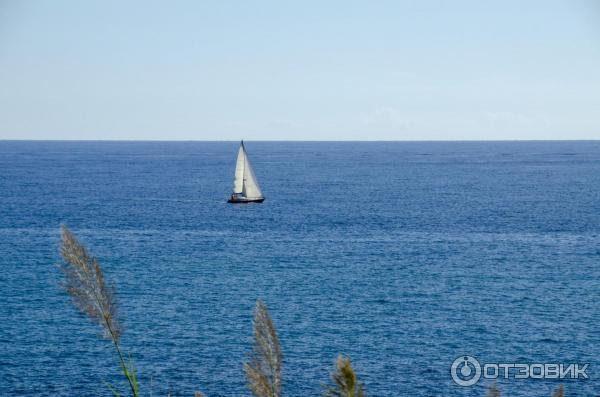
pixel 403 256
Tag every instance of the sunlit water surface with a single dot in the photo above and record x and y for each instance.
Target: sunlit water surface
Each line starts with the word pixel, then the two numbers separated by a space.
pixel 402 255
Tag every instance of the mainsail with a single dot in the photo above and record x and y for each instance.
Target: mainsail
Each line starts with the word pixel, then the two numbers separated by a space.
pixel 245 182
pixel 238 183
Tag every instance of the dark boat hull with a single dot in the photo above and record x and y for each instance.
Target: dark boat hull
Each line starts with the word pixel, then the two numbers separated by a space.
pixel 245 201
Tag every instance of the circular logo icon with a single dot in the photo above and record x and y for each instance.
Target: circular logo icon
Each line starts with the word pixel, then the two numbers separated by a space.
pixel 465 371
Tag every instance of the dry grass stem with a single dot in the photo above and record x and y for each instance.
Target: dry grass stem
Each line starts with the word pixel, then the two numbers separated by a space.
pixel 263 370
pixel 84 282
pixel 344 380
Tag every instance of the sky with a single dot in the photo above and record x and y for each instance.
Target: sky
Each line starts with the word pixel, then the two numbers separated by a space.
pixel 302 70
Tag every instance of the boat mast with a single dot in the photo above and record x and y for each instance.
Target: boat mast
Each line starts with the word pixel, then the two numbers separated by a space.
pixel 243 168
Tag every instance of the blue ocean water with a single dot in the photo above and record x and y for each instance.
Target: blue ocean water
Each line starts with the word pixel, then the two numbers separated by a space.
pixel 403 256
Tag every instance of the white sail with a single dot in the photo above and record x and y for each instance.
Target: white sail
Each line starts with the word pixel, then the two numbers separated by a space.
pixel 238 183
pixel 250 186
pixel 245 182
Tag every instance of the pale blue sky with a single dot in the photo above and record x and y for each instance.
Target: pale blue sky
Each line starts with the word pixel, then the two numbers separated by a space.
pixel 394 70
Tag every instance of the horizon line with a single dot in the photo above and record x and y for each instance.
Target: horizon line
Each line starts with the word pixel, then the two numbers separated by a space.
pixel 300 140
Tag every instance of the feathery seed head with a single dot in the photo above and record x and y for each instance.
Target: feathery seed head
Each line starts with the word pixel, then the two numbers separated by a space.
pixel 84 282
pixel 263 370
pixel 344 383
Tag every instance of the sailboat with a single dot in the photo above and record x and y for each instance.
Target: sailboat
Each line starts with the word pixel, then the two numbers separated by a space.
pixel 245 186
